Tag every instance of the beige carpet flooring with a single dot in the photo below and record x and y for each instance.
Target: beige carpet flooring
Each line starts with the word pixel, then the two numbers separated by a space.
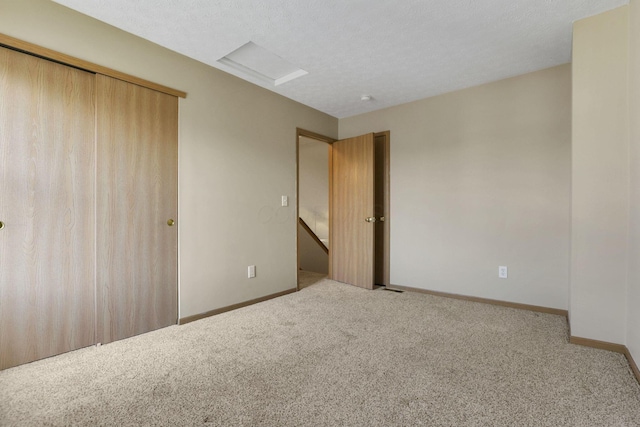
pixel 308 278
pixel 334 355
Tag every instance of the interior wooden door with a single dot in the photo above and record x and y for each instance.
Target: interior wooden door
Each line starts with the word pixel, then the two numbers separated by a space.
pixel 352 207
pixel 137 194
pixel 47 239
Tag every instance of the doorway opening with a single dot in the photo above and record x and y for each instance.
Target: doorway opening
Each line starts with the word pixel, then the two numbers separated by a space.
pixel 343 198
pixel 313 194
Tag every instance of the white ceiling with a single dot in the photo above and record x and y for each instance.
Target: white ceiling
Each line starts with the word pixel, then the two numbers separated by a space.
pixel 394 50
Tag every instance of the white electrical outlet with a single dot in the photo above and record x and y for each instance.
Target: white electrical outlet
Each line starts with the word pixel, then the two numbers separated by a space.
pixel 502 272
pixel 252 271
pixel 285 200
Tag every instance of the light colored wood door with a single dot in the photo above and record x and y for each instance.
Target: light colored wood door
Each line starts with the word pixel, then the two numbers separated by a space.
pixel 137 193
pixel 352 202
pixel 47 288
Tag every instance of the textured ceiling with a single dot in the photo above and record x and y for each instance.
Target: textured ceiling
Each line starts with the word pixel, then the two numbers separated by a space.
pixel 394 50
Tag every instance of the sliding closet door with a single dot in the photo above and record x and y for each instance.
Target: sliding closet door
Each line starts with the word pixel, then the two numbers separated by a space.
pixel 47 296
pixel 137 194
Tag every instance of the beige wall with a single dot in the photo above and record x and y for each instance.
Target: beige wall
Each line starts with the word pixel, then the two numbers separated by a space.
pixel 313 185
pixel 237 156
pixel 313 193
pixel 633 295
pixel 600 177
pixel 481 178
pixel 311 255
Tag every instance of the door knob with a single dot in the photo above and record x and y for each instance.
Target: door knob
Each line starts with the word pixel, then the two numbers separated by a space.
pixel 1 225
pixel 170 223
pixel 374 219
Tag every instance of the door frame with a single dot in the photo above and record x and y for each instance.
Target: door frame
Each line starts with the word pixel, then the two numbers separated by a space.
pixel 386 264
pixel 328 141
pixel 387 192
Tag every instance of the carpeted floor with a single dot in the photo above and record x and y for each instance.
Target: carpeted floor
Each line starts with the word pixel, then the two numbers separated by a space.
pixel 334 355
pixel 308 278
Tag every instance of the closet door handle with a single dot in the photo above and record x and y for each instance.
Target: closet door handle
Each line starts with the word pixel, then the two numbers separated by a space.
pixel 1 225
pixel 170 222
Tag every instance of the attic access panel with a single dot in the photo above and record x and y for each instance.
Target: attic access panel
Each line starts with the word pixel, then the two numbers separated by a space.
pixel 258 62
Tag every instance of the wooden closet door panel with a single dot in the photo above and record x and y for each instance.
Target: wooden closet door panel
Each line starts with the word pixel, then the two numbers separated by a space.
pixel 137 192
pixel 47 152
